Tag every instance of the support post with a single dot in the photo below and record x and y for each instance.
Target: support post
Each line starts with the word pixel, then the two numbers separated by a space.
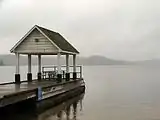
pixel 74 67
pixel 59 75
pixel 39 68
pixel 67 68
pixel 17 75
pixel 29 74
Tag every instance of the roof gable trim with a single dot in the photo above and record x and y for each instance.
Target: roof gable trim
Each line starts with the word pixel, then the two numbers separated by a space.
pixel 28 33
pixel 48 38
pixel 69 52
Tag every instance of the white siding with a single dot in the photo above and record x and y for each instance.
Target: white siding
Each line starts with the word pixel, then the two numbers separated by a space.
pixel 29 45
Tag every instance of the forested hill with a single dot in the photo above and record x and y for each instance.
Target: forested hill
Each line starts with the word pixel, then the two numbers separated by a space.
pixel 50 60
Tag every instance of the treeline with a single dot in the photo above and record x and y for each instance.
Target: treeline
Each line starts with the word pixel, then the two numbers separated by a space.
pixel 1 63
pixel 9 60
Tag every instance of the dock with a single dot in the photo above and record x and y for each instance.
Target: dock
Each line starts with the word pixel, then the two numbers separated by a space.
pixel 13 93
pixel 51 81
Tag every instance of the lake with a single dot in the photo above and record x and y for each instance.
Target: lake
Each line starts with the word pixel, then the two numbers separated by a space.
pixel 112 93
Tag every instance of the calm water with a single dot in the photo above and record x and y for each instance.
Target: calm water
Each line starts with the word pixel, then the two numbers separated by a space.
pixel 112 93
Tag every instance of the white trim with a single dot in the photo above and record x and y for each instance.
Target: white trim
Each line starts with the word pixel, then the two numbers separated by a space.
pixel 48 38
pixel 36 53
pixel 69 52
pixel 28 33
pixel 20 41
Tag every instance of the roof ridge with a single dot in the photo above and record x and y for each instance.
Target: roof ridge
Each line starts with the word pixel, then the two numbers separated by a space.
pixel 61 43
pixel 45 29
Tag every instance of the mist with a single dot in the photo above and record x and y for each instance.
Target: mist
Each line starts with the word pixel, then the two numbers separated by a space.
pixel 118 29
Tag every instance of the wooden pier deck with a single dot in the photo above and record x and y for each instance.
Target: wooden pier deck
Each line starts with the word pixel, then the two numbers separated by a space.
pixel 12 88
pixel 11 93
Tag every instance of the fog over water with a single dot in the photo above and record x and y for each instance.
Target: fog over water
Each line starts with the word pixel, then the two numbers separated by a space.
pixel 116 29
pixel 119 29
pixel 112 92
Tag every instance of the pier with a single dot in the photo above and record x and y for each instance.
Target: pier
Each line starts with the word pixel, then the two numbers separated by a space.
pixel 51 81
pixel 44 113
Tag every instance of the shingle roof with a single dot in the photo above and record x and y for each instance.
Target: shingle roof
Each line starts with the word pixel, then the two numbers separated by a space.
pixel 58 39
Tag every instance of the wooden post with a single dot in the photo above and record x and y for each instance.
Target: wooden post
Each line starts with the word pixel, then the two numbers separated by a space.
pixel 74 67
pixel 17 75
pixel 67 63
pixel 29 63
pixel 39 63
pixel 29 75
pixel 67 68
pixel 39 67
pixel 80 71
pixel 59 75
pixel 17 63
pixel 59 63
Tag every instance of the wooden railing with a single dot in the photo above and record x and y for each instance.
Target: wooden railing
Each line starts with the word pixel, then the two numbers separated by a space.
pixel 50 72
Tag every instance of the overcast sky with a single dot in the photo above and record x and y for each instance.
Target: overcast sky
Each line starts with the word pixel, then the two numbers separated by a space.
pixel 119 29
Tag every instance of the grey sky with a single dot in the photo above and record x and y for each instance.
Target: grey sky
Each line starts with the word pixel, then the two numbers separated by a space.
pixel 119 29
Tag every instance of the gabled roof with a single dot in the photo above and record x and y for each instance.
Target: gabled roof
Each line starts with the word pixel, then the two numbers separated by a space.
pixel 56 39
pixel 59 40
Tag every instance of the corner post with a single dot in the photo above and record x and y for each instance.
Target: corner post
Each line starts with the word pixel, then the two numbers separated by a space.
pixel 74 67
pixel 29 74
pixel 59 75
pixel 67 68
pixel 17 75
pixel 39 67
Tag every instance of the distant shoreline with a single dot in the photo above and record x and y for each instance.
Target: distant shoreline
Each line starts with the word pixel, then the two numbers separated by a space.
pixel 10 60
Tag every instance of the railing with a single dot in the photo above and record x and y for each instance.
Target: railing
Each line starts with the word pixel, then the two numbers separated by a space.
pixel 50 72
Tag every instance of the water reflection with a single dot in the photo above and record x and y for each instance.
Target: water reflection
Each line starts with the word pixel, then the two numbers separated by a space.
pixel 67 110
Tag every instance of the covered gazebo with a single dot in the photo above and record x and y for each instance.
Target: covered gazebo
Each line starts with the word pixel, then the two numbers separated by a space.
pixel 41 41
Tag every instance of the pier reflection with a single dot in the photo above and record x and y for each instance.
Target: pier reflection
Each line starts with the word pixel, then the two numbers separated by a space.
pixel 70 112
pixel 67 110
